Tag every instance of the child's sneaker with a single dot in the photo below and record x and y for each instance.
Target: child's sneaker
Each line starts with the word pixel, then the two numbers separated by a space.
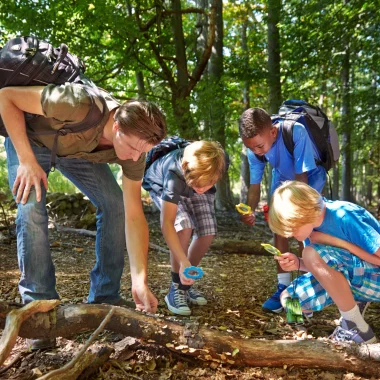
pixel 273 304
pixel 348 331
pixel 176 300
pixel 196 297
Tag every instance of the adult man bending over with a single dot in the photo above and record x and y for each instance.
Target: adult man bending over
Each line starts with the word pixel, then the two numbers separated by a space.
pixel 123 136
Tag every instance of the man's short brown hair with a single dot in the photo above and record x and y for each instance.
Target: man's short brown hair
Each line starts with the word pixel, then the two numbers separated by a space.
pixel 252 122
pixel 143 119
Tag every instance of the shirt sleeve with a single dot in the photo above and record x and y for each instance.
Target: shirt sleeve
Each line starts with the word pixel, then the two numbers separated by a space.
pixel 172 187
pixel 360 233
pixel 256 168
pixel 304 159
pixel 68 102
pixel 134 170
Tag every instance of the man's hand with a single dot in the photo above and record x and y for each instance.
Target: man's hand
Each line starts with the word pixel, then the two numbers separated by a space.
pixel 144 299
pixel 288 261
pixel 28 175
pixel 249 219
pixel 184 280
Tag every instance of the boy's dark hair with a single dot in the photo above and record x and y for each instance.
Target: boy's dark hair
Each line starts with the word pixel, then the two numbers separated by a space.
pixel 143 119
pixel 252 122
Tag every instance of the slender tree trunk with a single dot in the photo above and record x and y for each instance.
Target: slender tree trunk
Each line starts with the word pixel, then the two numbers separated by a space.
pixel 274 59
pixel 244 168
pixel 274 64
pixel 180 100
pixel 369 166
pixel 346 127
pixel 224 199
pixel 140 85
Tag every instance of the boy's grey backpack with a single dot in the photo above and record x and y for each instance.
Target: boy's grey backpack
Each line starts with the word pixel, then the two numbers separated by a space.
pixel 320 129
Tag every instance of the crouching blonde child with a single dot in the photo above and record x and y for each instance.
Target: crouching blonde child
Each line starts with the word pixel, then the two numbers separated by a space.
pixel 181 184
pixel 341 254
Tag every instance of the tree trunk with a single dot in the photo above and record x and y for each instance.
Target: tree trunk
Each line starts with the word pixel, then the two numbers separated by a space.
pixel 200 342
pixel 244 167
pixel 274 59
pixel 224 199
pixel 346 127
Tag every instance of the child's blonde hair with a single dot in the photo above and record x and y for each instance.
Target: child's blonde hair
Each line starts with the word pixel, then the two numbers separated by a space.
pixel 293 205
pixel 203 164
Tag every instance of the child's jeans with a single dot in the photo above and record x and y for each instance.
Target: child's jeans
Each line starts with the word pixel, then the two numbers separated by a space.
pixel 96 181
pixel 363 278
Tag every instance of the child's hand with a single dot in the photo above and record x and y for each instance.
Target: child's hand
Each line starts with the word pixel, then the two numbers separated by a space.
pixel 288 261
pixel 249 219
pixel 183 278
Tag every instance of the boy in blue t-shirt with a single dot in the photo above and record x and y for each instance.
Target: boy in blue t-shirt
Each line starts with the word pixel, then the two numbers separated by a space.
pixel 265 144
pixel 342 254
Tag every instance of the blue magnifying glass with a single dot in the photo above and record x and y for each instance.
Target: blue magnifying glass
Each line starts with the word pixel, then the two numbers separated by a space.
pixel 193 272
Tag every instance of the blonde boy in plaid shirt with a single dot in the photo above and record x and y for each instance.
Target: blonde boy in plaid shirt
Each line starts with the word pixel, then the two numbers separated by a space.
pixel 181 184
pixel 342 255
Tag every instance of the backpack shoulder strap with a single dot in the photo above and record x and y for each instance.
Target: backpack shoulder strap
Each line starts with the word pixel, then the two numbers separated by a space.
pixel 287 134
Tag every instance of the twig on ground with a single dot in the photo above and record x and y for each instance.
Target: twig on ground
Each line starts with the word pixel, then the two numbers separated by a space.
pixel 54 374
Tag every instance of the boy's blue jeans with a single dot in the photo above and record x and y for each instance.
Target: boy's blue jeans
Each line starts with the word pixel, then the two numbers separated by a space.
pixel 97 182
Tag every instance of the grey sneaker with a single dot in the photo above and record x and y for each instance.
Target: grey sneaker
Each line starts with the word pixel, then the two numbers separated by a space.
pixel 195 297
pixel 349 332
pixel 40 344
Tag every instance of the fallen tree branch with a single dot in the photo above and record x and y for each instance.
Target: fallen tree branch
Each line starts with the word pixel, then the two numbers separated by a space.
pixel 203 343
pixel 84 232
pixel 226 245
pixel 101 357
pixel 72 369
pixel 14 320
pixel 12 363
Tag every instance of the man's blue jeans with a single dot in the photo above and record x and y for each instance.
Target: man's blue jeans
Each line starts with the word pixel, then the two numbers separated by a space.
pixel 96 181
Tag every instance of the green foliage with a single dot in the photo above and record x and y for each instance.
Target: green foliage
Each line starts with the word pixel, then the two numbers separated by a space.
pixel 116 39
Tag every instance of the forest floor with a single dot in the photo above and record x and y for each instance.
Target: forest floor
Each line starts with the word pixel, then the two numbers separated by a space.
pixel 235 285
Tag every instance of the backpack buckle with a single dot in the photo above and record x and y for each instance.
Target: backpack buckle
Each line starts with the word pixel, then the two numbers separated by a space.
pixel 62 132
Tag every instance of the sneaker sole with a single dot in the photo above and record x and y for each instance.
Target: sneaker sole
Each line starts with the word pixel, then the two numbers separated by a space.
pixel 199 303
pixel 276 311
pixel 175 310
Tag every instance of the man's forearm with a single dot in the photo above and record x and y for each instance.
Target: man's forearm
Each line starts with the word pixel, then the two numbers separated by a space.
pixel 14 120
pixel 137 238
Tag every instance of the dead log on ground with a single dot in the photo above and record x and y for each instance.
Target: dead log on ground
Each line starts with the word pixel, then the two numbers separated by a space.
pixel 84 232
pixel 251 247
pixel 203 343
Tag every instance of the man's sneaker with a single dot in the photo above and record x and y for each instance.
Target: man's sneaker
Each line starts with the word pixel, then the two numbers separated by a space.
pixel 176 300
pixel 273 304
pixel 349 332
pixel 40 344
pixel 196 297
pixel 363 306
